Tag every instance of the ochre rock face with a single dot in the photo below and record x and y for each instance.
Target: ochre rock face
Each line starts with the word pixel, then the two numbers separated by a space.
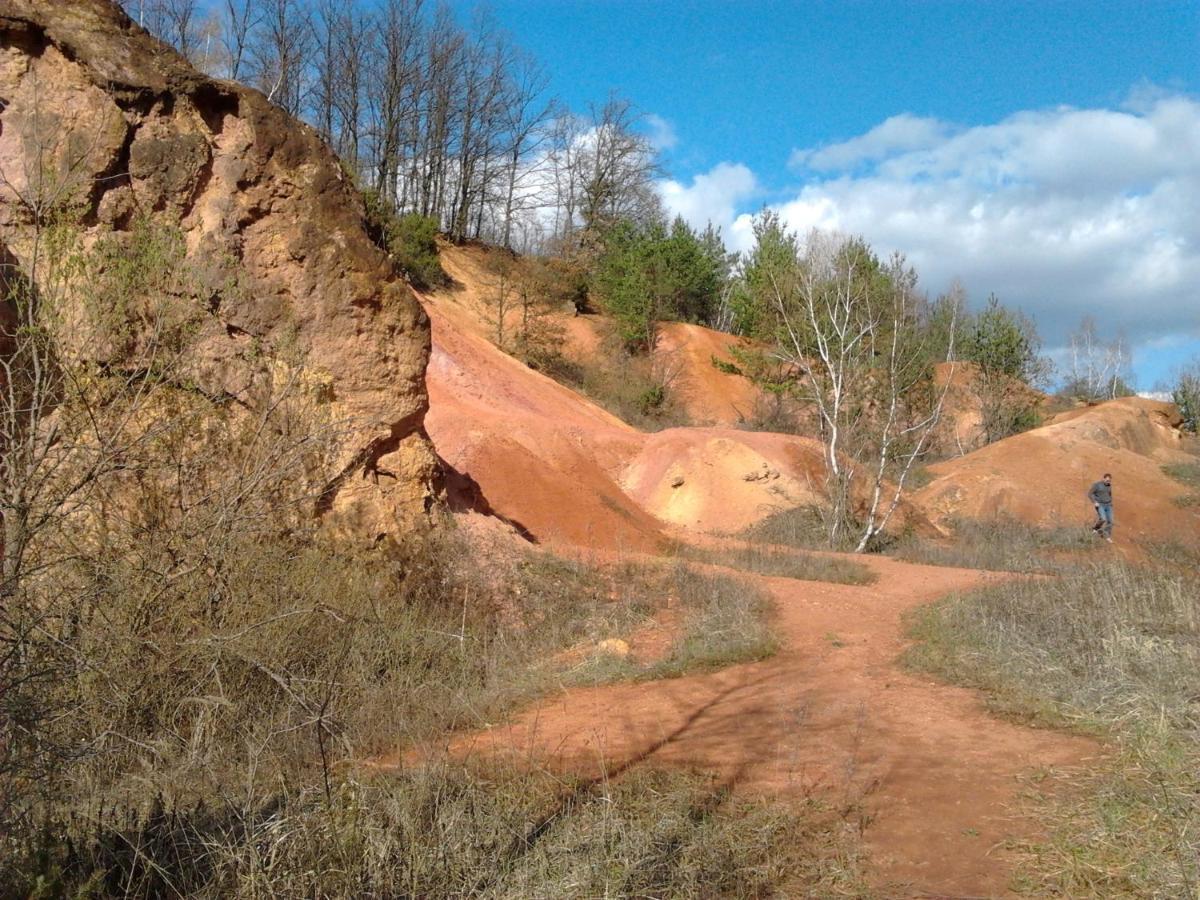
pixel 91 100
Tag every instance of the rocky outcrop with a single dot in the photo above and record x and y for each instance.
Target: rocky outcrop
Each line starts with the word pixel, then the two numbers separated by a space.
pixel 121 124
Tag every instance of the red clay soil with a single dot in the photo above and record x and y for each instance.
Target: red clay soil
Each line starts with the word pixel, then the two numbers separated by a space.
pixel 721 480
pixel 708 395
pixel 1042 476
pixel 541 456
pixel 936 776
pixel 566 471
pixel 961 428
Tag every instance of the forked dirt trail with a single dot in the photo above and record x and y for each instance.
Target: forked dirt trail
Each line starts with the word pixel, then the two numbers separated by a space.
pixel 933 774
pixel 832 712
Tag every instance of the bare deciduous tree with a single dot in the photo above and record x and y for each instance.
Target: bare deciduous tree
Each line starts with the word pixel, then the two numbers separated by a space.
pixel 848 327
pixel 178 22
pixel 280 52
pixel 237 20
pixel 439 120
pixel 486 60
pixel 1098 369
pixel 618 167
pixel 524 115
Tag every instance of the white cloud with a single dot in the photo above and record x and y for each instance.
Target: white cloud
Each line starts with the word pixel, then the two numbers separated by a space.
pixel 904 132
pixel 713 196
pixel 1063 212
pixel 662 134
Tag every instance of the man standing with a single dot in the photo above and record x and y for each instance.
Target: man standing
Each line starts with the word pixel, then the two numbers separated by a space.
pixel 1101 497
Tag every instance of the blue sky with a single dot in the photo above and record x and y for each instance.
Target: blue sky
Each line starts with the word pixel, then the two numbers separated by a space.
pixel 1047 151
pixel 751 80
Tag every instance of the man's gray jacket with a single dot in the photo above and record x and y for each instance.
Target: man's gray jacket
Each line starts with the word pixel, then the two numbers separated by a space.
pixel 1101 493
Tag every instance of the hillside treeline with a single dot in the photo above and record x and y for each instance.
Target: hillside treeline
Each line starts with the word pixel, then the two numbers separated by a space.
pixel 438 119
pixel 449 126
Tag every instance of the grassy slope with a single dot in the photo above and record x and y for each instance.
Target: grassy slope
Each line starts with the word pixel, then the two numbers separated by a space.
pixel 460 641
pixel 1114 650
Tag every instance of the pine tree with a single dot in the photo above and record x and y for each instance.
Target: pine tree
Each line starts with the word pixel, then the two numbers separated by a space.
pixel 1004 346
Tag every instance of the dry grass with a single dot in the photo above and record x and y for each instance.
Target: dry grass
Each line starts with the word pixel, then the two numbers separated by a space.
pixel 1184 557
pixel 799 527
pixel 777 562
pixel 1113 650
pixel 1187 474
pixel 1000 545
pixel 806 528
pixel 219 772
pixel 447 830
pixel 724 621
pixel 187 665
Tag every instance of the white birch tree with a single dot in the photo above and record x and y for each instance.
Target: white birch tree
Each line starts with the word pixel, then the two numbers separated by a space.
pixel 847 326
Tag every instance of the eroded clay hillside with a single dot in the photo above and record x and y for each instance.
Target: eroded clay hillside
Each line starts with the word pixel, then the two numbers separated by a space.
pixel 562 468
pixel 1042 476
pixel 706 394
pixel 118 128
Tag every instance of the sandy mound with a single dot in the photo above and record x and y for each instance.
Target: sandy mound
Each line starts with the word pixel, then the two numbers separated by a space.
pixel 1042 476
pixel 717 480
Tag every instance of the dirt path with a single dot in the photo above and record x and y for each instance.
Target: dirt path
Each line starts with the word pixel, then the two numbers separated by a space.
pixel 831 712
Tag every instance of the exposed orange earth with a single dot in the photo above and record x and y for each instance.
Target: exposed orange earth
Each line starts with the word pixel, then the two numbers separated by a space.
pixel 563 469
pixel 936 774
pixel 1042 476
pixel 707 394
pixel 831 713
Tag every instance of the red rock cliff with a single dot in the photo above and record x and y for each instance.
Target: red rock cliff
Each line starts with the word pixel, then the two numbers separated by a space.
pixel 90 97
